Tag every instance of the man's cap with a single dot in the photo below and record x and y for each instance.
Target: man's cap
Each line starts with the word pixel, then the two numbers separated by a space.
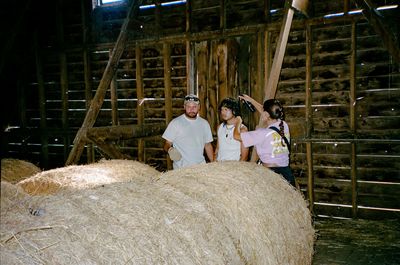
pixel 192 98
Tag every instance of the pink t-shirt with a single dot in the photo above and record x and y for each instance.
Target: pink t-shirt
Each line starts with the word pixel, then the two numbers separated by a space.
pixel 268 144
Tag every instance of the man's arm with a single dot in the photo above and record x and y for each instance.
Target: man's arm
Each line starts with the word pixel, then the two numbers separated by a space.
pixel 209 151
pixel 244 151
pixel 167 145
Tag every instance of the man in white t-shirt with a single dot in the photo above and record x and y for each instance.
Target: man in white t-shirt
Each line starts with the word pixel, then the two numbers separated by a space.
pixel 188 135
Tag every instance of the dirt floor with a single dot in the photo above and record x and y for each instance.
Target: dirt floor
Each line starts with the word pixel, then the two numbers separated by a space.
pixel 353 242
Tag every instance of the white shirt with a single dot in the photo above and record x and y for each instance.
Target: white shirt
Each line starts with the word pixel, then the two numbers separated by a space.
pixel 228 147
pixel 188 136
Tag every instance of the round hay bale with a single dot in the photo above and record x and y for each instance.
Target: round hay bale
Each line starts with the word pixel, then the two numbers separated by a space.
pixel 266 217
pixel 88 176
pixel 218 213
pixel 15 170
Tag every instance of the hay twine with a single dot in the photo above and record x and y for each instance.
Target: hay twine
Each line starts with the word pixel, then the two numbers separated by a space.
pixel 218 213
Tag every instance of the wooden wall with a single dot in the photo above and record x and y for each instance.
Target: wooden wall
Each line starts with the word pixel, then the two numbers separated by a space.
pixel 339 85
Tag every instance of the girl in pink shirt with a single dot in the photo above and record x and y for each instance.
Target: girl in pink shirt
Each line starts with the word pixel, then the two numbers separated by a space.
pixel 272 143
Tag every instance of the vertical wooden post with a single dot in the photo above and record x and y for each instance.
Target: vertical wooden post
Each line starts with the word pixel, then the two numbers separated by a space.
pixel 44 155
pixel 87 72
pixel 114 100
pixel 309 120
pixel 188 16
pixel 353 126
pixel 167 89
pixel 63 77
pixel 222 14
pixel 346 6
pixel 157 15
pixel 267 10
pixel 202 70
pixel 140 97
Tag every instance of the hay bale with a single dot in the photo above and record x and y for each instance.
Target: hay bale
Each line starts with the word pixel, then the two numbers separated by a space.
pixel 15 170
pixel 219 213
pixel 87 176
pixel 266 217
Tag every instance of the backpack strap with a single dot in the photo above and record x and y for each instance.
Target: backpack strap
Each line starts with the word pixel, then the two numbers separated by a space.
pixel 284 137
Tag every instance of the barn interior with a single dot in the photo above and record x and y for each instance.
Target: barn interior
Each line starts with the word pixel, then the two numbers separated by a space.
pixel 90 79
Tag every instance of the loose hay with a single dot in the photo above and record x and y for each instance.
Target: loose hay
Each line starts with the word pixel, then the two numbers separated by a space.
pixel 15 170
pixel 87 176
pixel 219 213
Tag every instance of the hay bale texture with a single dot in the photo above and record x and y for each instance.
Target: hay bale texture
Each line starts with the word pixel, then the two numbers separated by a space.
pixel 15 170
pixel 218 213
pixel 87 176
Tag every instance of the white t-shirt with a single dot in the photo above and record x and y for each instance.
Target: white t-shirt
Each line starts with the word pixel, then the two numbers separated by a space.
pixel 228 147
pixel 189 137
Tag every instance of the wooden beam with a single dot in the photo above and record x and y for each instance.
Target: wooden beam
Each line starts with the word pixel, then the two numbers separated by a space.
pixel 124 132
pixel 381 27
pixel 91 115
pixel 272 84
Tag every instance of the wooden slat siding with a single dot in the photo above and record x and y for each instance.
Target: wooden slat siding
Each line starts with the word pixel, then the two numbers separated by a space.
pixel 381 27
pixel 188 16
pixel 104 83
pixel 353 122
pixel 87 70
pixel 140 96
pixel 44 159
pixel 309 117
pixel 167 91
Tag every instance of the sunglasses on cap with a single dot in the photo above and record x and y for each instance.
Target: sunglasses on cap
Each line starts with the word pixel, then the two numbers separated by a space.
pixel 192 98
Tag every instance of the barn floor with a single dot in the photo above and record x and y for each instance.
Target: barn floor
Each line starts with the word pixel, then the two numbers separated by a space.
pixel 353 242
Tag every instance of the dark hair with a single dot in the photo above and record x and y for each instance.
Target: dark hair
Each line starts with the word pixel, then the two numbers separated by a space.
pixel 275 111
pixel 231 104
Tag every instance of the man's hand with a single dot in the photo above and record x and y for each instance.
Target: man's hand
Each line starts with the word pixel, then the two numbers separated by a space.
pixel 174 154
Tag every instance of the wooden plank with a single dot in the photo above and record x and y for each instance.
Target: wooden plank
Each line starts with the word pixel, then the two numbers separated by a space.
pixel 114 100
pixel 98 99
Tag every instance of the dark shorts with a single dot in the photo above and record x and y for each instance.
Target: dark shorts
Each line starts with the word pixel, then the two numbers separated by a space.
pixel 286 172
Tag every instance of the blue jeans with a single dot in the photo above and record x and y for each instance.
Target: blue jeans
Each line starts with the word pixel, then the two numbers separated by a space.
pixel 286 172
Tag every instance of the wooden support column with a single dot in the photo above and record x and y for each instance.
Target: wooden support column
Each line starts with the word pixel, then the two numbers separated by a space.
pixel 222 14
pixel 189 50
pixel 309 118
pixel 44 154
pixel 108 74
pixel 114 100
pixel 202 70
pixel 346 6
pixel 140 98
pixel 267 10
pixel 353 126
pixel 87 72
pixel 63 77
pixel 167 90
